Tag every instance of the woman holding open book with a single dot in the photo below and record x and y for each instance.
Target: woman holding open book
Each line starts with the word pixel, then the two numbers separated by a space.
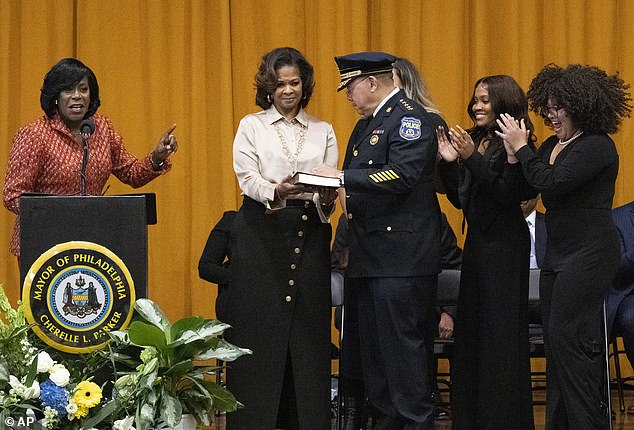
pixel 279 299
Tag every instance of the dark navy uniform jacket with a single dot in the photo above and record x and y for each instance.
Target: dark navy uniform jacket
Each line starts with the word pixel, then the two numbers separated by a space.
pixel 393 212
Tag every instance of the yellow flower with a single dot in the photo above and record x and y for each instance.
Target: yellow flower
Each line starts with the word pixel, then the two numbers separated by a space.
pixel 81 412
pixel 87 395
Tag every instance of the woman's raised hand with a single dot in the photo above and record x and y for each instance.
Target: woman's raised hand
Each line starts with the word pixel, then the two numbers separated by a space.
pixel 445 150
pixel 461 142
pixel 513 132
pixel 166 146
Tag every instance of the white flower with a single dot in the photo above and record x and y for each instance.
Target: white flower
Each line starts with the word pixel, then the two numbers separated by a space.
pixel 33 392
pixel 59 375
pixel 15 382
pixel 50 417
pixel 71 409
pixel 44 362
pixel 21 390
pixel 125 424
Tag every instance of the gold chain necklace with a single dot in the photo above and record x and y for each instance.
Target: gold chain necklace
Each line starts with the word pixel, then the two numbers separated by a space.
pixel 292 158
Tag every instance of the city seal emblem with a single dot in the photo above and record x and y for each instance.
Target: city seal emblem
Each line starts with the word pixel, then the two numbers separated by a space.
pixel 75 293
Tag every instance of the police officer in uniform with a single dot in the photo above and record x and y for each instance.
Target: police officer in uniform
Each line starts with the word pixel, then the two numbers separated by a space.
pixel 394 223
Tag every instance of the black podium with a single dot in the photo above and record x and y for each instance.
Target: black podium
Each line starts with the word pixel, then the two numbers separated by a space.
pixel 118 223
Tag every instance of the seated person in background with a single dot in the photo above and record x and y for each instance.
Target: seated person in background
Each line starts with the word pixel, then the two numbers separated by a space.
pixel 537 229
pixel 350 373
pixel 450 258
pixel 619 302
pixel 214 262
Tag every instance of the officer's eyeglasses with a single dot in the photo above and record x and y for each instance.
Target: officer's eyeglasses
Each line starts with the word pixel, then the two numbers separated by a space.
pixel 350 88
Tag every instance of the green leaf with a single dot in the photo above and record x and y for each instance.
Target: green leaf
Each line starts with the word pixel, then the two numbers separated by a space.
pixel 171 409
pixel 32 373
pixel 4 370
pixel 179 369
pixel 142 334
pixel 150 312
pixel 150 373
pixel 223 400
pixel 103 412
pixel 207 330
pixel 18 331
pixel 223 351
pixel 185 324
pixel 146 411
pixel 145 417
pixel 119 336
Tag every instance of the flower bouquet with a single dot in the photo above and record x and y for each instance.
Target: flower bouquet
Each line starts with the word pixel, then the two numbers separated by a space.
pixel 34 386
pixel 158 370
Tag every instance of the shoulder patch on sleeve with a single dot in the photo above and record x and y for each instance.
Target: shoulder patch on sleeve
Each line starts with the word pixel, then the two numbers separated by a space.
pixel 410 128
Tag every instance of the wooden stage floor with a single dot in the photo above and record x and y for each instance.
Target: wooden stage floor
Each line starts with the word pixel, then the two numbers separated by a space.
pixel 621 421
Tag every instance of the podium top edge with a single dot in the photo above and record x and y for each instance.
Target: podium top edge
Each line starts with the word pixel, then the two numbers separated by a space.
pixel 62 196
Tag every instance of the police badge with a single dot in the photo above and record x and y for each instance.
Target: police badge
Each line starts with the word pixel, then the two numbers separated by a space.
pixel 410 128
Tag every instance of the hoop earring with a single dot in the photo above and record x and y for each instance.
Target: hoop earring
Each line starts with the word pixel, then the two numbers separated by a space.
pixel 268 98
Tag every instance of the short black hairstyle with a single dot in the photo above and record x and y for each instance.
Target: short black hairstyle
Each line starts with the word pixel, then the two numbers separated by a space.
pixel 64 76
pixel 595 101
pixel 266 77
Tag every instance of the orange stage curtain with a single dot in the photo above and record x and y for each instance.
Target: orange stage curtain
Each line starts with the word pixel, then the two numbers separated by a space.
pixel 192 63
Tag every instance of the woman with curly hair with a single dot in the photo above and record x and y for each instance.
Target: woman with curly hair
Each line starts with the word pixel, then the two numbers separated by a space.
pixel 278 300
pixel 575 170
pixel 490 370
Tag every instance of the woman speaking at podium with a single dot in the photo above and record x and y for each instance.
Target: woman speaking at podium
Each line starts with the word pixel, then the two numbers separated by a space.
pixel 278 301
pixel 72 150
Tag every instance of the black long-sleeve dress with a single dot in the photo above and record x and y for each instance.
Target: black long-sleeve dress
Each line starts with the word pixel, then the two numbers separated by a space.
pixel 582 257
pixel 215 259
pixel 490 370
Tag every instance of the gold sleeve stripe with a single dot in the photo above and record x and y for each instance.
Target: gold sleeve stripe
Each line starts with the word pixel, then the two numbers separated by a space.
pixel 384 176
pixel 390 174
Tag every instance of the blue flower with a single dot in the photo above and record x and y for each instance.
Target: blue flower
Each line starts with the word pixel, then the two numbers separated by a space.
pixel 54 396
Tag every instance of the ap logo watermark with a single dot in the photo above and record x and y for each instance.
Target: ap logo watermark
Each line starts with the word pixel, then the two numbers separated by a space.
pixel 22 422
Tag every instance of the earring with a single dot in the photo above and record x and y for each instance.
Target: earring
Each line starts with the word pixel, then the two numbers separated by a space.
pixel 304 97
pixel 56 102
pixel 268 98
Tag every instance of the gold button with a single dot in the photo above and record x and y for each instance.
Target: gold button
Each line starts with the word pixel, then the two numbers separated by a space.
pixel 305 217
pixel 300 233
pixel 355 153
pixel 349 216
pixel 297 250
pixel 370 162
pixel 288 299
pixel 293 266
pixel 389 228
pixel 291 282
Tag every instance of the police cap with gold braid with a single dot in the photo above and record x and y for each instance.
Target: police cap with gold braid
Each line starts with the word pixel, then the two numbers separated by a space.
pixel 362 64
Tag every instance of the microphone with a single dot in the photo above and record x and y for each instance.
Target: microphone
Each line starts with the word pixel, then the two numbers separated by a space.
pixel 86 128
